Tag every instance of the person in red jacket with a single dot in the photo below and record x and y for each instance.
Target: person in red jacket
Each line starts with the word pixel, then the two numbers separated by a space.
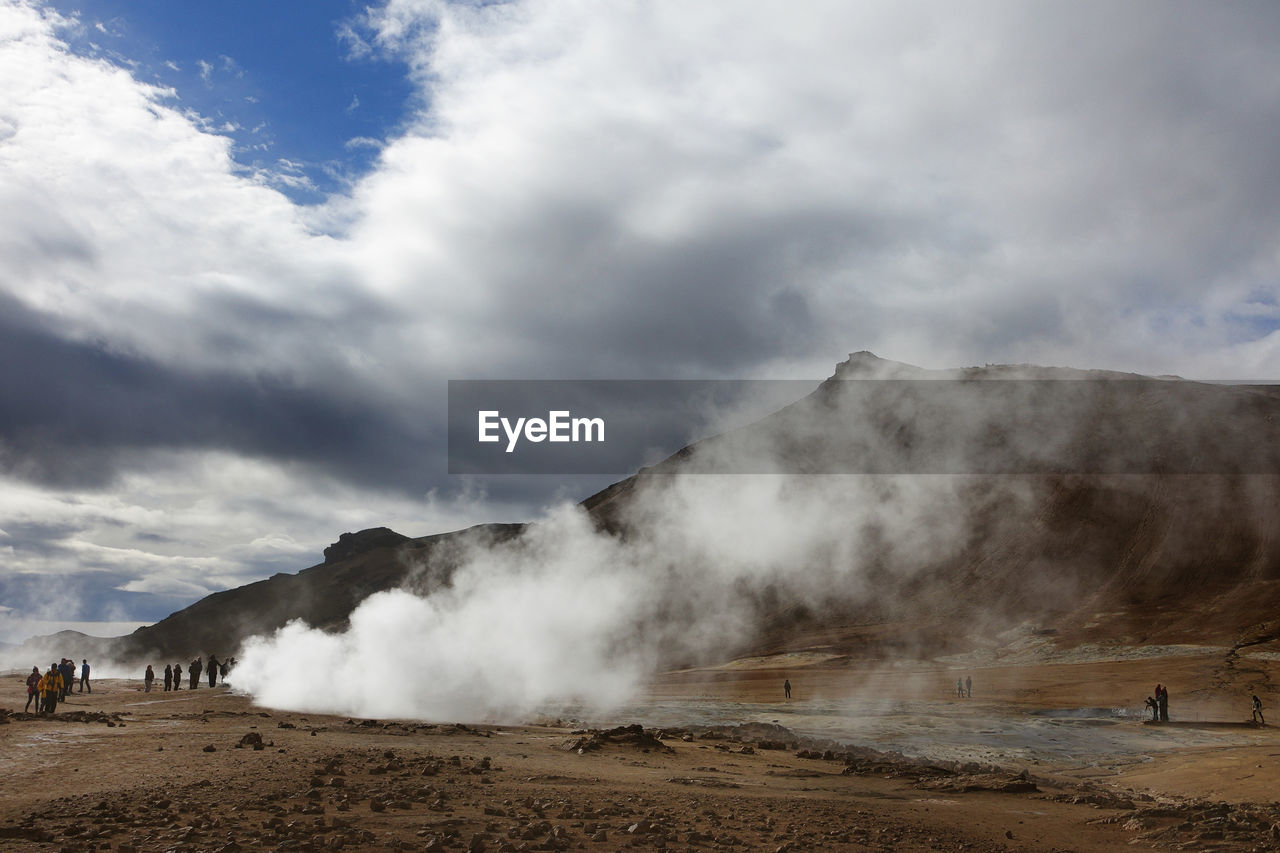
pixel 33 689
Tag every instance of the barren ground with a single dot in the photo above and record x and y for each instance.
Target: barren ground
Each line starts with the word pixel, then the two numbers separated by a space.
pixel 1045 756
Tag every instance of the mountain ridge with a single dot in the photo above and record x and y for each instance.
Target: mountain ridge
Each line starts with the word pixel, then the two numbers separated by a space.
pixel 1164 555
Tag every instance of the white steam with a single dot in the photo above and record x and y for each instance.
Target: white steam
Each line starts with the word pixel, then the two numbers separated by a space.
pixel 570 615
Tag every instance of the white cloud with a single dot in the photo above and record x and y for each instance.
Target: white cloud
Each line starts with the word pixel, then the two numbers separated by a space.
pixel 363 142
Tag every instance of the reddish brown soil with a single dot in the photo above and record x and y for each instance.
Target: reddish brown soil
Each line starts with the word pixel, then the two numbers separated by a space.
pixel 324 783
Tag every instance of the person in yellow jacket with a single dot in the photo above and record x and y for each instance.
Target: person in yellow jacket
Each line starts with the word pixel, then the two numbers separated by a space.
pixel 50 686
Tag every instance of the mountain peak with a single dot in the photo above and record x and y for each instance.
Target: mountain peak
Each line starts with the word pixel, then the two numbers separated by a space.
pixel 865 364
pixel 350 544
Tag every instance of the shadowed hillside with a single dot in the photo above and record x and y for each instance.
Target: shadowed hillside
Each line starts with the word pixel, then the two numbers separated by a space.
pixel 355 567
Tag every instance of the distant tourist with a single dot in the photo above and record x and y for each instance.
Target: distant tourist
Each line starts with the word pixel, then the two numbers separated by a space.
pixel 194 670
pixel 84 676
pixel 33 689
pixel 148 678
pixel 1155 709
pixel 50 688
pixel 213 670
pixel 68 672
pixel 177 676
pixel 968 687
pixel 224 668
pixel 1257 711
pixel 168 677
pixel 786 688
pixel 1162 699
pixel 960 687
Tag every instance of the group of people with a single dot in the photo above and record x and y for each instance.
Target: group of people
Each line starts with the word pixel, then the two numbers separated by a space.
pixel 215 669
pixel 52 687
pixel 964 687
pixel 1159 704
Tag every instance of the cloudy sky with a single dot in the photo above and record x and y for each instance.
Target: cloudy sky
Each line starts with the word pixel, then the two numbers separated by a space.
pixel 243 246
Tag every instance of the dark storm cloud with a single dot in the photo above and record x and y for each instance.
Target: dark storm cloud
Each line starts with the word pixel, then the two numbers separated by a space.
pixel 69 411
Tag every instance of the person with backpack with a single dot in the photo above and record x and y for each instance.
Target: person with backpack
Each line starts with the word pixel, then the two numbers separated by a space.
pixel 33 689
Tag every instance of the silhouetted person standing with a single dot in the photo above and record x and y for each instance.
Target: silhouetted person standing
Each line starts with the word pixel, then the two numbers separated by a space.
pixel 1162 698
pixel 168 677
pixel 968 687
pixel 148 679
pixel 68 672
pixel 786 688
pixel 177 676
pixel 196 667
pixel 84 676
pixel 1257 711
pixel 213 670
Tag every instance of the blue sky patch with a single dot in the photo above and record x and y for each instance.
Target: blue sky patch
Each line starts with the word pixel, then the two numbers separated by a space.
pixel 278 78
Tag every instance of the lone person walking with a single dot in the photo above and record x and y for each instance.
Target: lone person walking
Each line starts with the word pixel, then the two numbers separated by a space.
pixel 1257 711
pixel 786 688
pixel 84 676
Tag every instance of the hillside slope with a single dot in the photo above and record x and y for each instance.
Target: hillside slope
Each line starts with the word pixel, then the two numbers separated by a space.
pixel 1088 505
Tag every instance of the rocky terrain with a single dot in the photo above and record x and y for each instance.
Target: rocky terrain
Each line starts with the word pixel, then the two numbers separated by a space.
pixel 124 770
